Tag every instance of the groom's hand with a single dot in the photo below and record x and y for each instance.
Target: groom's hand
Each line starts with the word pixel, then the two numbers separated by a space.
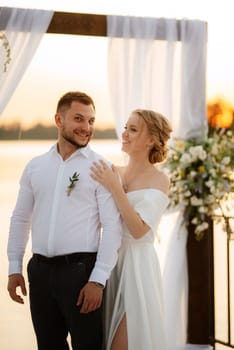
pixel 90 297
pixel 16 281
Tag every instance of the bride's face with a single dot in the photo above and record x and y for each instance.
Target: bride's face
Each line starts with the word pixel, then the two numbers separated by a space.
pixel 136 137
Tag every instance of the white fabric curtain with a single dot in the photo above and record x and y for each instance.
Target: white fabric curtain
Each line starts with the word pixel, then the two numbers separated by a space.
pixel 24 29
pixel 160 64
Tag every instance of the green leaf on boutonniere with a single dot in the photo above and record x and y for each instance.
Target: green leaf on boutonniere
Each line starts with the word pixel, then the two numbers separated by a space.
pixel 73 180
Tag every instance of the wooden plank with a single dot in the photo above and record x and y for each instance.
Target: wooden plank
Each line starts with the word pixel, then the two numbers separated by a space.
pixel 200 260
pixel 78 24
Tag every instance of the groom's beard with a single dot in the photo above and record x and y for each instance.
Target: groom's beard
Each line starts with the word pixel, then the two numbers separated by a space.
pixel 72 139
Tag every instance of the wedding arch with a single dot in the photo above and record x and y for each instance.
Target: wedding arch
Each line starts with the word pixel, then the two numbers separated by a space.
pixel 154 63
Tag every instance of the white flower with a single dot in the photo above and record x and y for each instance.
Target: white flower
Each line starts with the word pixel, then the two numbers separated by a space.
pixel 193 173
pixel 195 201
pixel 186 158
pixel 194 220
pixel 214 149
pixel 204 226
pixel 226 160
pixel 209 183
pixel 187 194
pixel 202 155
pixel 180 144
pixel 212 189
pixel 197 152
pixel 212 172
pixel 202 209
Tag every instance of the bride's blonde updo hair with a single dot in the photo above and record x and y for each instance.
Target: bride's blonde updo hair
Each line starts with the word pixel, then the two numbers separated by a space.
pixel 159 128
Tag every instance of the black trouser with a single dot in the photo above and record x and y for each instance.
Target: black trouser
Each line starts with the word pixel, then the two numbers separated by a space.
pixel 54 285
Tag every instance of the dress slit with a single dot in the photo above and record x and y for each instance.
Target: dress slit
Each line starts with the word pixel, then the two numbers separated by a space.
pixel 115 330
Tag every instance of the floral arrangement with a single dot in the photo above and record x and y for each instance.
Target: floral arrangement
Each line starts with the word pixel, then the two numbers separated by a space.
pixel 6 46
pixel 202 177
pixel 72 180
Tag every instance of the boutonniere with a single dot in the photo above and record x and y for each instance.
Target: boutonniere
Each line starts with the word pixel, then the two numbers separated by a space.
pixel 73 180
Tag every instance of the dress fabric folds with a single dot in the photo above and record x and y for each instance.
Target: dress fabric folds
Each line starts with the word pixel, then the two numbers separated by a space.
pixel 135 285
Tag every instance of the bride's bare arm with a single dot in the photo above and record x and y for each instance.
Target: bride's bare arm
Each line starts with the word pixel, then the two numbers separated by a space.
pixel 109 178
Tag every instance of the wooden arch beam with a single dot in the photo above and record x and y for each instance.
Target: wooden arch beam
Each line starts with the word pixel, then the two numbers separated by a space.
pixel 93 25
pixel 72 23
pixel 78 24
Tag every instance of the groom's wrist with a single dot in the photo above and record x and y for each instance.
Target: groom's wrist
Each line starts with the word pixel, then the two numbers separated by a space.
pixel 97 284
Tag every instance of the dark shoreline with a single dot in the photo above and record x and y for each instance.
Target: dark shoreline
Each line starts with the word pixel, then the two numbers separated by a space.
pixel 41 132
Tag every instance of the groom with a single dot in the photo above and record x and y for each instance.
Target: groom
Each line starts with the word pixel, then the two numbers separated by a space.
pixel 65 210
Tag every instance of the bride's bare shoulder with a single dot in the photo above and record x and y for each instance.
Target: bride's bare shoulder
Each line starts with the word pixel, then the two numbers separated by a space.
pixel 161 181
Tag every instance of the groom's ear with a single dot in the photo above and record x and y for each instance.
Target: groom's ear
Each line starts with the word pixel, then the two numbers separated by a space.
pixel 58 120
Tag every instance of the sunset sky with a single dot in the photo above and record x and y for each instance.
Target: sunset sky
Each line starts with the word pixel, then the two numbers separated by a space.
pixel 64 63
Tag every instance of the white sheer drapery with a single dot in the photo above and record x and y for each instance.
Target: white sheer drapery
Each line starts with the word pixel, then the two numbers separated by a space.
pixel 160 64
pixel 24 29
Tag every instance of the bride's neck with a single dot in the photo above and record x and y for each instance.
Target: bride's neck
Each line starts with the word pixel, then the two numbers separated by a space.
pixel 137 165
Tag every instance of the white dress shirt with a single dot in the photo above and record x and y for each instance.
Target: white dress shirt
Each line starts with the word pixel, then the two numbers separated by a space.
pixel 85 221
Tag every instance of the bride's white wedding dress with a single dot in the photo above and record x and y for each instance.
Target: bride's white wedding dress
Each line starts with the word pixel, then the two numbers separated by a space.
pixel 135 286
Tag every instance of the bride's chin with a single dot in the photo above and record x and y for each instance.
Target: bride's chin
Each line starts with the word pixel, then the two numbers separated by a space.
pixel 124 150
pixel 124 146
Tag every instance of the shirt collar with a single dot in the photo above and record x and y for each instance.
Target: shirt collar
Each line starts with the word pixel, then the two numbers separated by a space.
pixel 85 151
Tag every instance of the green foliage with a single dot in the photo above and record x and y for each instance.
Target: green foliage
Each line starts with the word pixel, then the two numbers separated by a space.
pixel 73 180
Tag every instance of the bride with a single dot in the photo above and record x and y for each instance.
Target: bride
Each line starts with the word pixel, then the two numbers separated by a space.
pixel 134 316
